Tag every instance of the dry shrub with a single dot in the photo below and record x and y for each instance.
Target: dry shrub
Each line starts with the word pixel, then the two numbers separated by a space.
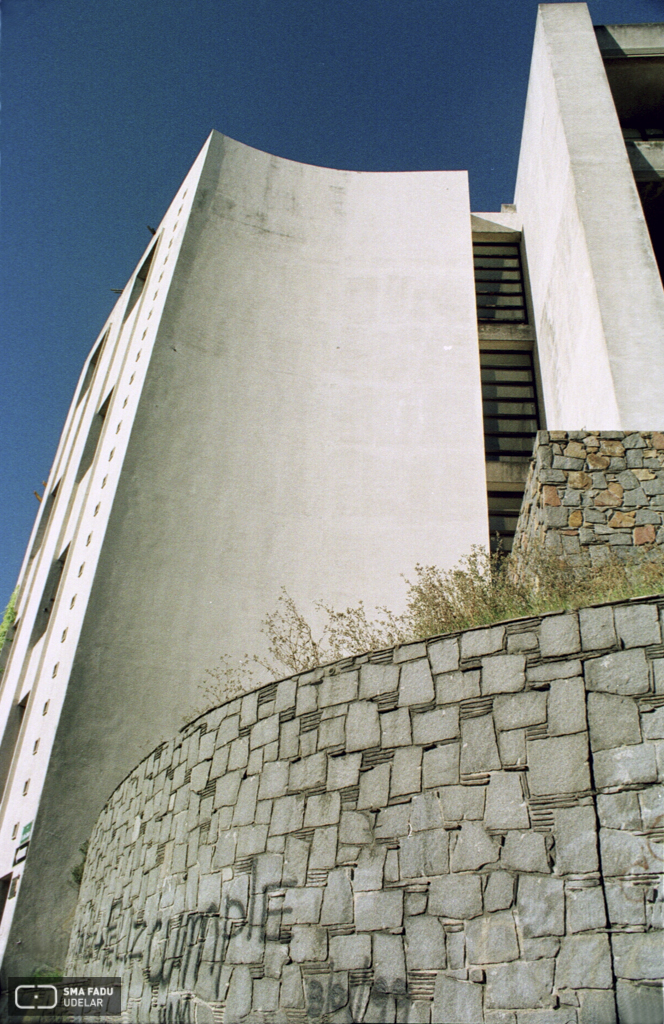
pixel 480 590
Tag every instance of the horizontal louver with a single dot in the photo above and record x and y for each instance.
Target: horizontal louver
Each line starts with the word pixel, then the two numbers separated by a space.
pixel 499 282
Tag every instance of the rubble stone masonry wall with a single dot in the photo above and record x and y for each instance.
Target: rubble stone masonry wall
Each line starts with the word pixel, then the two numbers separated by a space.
pixel 467 829
pixel 593 494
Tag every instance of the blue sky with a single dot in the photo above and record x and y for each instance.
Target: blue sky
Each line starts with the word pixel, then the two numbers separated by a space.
pixel 105 104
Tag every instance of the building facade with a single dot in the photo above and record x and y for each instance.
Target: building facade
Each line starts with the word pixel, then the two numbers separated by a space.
pixel 316 379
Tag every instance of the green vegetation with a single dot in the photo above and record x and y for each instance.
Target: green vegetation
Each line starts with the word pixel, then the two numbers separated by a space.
pixel 8 618
pixel 78 869
pixel 480 590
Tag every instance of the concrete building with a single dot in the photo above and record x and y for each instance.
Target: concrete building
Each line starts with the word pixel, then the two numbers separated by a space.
pixel 310 383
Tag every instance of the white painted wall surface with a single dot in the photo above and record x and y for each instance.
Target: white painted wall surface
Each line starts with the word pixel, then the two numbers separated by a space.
pixel 596 290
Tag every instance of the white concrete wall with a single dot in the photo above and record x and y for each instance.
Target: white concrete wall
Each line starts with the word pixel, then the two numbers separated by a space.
pixel 305 413
pixel 597 294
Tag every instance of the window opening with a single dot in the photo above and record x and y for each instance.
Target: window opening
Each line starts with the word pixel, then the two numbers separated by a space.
pixel 139 283
pixel 499 282
pixel 46 510
pixel 92 440
pixel 48 597
pixel 10 738
pixel 4 893
pixel 90 369
pixel 509 402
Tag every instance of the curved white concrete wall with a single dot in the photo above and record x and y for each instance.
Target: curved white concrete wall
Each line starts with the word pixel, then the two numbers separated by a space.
pixel 302 410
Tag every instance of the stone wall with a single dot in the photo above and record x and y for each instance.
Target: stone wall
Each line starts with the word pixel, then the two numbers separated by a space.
pixel 593 494
pixel 465 829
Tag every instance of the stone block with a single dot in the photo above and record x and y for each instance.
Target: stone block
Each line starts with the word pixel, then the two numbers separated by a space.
pixel 625 672
pixel 425 944
pixel 286 695
pixel 505 804
pixel 324 848
pixel 576 845
pixel 458 1001
pixel 597 1006
pixel 369 872
pixel 322 809
pixel 238 755
pixel 248 709
pixel 597 628
pixel 296 857
pixel 343 771
pixel 515 711
pixel 416 683
pixel 637 625
pixel 491 939
pixel 479 750
pixel 392 822
pixel 653 724
pixel 389 964
pixel 625 902
pixel 472 848
pixel 455 686
pixel 435 726
pixel 440 766
pixel 651 802
pixel 377 679
pixel 308 772
pixel 559 634
pixel 503 673
pixel 306 699
pixel 624 765
pixel 456 896
pixel 541 906
pixel 302 906
pixel 541 948
pixel 558 765
pixel 584 961
pixel 245 807
pixel 525 851
pixel 463 802
pixel 289 739
pixel 499 891
pixel 638 1003
pixel 512 746
pixel 251 839
pixel 518 642
pixel 287 815
pixel 238 999
pixel 265 995
pixel 566 708
pixel 406 771
pixel 265 731
pixel 553 670
pixel 350 952
pixel 376 911
pixel 374 787
pixel 355 828
pixel 308 943
pixel 619 810
pixel 424 854
pixel 409 652
pixel 340 688
pixel 426 812
pixel 585 911
pixel 444 656
pixel 332 732
pixel 362 726
pixel 395 728
pixel 477 642
pixel 627 854
pixel 273 780
pixel 612 721
pixel 227 789
pixel 519 985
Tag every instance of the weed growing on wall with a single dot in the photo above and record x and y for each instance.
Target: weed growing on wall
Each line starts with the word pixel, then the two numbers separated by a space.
pixel 8 618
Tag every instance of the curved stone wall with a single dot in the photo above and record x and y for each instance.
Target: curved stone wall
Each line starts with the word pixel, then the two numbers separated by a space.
pixel 463 829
